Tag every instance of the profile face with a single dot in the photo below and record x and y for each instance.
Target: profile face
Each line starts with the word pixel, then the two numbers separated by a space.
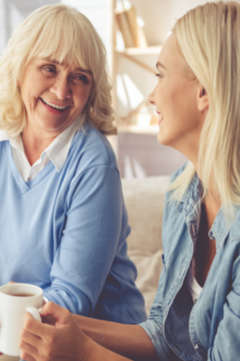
pixel 175 99
pixel 54 94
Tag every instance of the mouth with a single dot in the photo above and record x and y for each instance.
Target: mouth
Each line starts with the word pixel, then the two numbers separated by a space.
pixel 56 107
pixel 160 117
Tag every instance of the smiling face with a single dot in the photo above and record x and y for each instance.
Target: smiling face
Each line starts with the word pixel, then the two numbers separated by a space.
pixel 176 98
pixel 54 94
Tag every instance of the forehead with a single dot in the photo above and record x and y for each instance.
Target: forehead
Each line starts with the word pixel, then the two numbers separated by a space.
pixel 170 56
pixel 62 64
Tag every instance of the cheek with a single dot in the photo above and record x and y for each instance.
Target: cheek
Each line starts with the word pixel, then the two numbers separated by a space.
pixel 166 95
pixel 82 96
pixel 182 98
pixel 30 87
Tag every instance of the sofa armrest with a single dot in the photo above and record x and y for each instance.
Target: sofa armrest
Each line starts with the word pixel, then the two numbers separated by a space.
pixel 144 200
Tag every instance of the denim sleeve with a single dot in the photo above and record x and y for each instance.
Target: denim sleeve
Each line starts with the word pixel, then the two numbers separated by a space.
pixel 154 332
pixel 226 343
pixel 90 240
pixel 154 326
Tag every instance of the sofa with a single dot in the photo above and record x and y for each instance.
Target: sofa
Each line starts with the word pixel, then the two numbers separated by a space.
pixel 144 198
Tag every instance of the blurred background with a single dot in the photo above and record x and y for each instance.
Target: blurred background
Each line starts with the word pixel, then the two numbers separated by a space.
pixel 133 32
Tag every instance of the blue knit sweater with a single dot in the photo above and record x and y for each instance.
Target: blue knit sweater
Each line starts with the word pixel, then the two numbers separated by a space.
pixel 66 230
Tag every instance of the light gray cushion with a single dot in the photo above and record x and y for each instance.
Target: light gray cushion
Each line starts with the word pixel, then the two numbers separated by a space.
pixel 144 201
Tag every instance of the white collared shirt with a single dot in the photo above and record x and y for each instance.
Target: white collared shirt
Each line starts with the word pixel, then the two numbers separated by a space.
pixel 56 152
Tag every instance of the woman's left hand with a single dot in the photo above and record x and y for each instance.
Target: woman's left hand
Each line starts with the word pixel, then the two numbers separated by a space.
pixel 58 339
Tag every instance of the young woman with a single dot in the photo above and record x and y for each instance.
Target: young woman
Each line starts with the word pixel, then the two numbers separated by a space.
pixel 196 312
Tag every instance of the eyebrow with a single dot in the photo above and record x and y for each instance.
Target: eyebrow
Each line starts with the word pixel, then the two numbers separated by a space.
pixel 54 61
pixel 160 65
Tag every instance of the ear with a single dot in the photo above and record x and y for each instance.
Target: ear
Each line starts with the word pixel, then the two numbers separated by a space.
pixel 202 99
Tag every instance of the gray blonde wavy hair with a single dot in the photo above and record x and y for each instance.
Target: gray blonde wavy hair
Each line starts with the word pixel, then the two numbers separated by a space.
pixel 62 33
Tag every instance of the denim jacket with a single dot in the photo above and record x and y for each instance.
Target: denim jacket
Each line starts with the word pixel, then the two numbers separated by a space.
pixel 210 328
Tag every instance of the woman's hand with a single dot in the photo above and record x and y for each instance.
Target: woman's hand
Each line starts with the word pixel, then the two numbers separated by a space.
pixel 57 338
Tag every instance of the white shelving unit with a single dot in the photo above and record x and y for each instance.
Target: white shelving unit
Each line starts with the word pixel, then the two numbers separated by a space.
pixel 138 117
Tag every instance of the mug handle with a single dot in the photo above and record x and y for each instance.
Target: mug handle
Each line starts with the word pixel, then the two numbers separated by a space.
pixel 34 312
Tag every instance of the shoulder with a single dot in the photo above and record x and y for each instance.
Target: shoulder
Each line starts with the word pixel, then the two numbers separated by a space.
pixel 232 226
pixel 90 153
pixel 181 203
pixel 178 172
pixel 174 176
pixel 93 148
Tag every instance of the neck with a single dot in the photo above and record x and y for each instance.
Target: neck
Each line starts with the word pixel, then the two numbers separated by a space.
pixel 34 144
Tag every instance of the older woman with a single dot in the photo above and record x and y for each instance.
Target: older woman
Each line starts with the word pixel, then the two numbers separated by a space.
pixel 63 220
pixel 196 312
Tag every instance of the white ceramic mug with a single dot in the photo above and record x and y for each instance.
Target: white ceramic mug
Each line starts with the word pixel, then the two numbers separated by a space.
pixel 15 300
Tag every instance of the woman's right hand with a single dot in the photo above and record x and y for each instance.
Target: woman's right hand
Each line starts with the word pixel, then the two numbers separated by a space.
pixel 56 338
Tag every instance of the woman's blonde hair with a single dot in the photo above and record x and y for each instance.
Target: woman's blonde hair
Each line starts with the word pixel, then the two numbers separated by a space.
pixel 208 36
pixel 64 34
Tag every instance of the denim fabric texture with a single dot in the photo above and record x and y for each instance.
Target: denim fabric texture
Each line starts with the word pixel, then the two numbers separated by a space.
pixel 208 329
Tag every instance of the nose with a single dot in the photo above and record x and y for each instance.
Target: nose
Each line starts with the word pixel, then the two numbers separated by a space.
pixel 61 87
pixel 151 97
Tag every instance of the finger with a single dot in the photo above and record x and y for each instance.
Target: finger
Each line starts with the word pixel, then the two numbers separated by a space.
pixel 30 338
pixel 45 313
pixel 52 313
pixel 34 326
pixel 53 308
pixel 49 319
pixel 26 357
pixel 29 351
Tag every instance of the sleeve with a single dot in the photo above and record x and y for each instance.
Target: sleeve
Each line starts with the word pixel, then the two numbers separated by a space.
pixel 154 330
pixel 226 341
pixel 153 326
pixel 90 239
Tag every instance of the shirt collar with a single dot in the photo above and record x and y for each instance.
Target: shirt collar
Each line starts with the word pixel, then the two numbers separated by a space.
pixel 191 201
pixel 3 136
pixel 57 151
pixel 192 207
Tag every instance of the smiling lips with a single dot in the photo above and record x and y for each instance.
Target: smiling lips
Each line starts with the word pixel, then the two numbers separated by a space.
pixel 59 108
pixel 160 117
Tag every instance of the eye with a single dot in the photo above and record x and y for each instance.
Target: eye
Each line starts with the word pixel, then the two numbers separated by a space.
pixel 159 75
pixel 80 78
pixel 49 69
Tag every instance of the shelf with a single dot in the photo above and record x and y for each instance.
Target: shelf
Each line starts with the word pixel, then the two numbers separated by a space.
pixel 150 50
pixel 132 122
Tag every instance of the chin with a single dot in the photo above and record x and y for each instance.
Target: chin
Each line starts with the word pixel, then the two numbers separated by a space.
pixel 162 140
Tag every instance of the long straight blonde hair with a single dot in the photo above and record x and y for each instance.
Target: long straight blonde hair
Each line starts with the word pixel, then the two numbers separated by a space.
pixel 62 33
pixel 208 37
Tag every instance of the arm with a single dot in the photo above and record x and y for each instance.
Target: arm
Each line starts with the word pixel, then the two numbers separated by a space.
pixel 226 331
pixel 129 340
pixel 90 240
pixel 61 340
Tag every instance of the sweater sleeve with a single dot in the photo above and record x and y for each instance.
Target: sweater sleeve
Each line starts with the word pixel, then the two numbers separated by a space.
pixel 90 239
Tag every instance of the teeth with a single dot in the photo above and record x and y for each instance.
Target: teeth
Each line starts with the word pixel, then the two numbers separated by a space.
pixel 55 106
